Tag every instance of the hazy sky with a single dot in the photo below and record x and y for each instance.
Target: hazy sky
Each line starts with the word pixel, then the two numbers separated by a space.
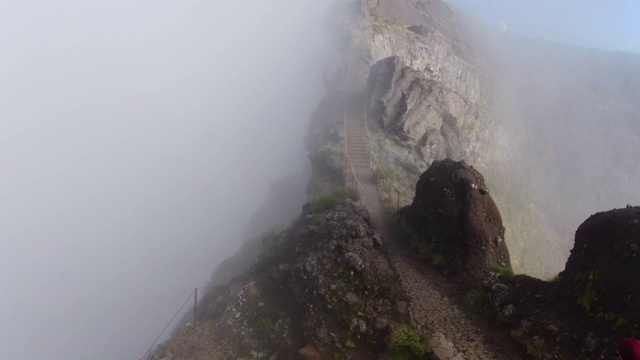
pixel 136 140
pixel 603 24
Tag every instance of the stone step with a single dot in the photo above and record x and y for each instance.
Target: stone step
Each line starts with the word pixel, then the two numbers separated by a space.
pixel 356 135
pixel 357 131
pixel 357 142
pixel 359 157
pixel 362 146
pixel 358 147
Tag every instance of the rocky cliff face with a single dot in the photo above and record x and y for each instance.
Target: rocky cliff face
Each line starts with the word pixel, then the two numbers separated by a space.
pixel 401 100
pixel 527 113
pixel 430 84
pixel 429 97
pixel 320 290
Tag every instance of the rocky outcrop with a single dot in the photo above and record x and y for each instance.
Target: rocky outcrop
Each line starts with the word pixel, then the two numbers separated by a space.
pixel 440 97
pixel 345 283
pixel 425 37
pixel 604 266
pixel 591 305
pixel 322 289
pixel 413 109
pixel 454 217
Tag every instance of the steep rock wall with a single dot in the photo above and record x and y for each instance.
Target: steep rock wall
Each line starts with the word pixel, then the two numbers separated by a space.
pixel 429 96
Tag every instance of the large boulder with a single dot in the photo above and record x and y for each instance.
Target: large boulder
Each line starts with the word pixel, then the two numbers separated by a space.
pixel 604 266
pixel 454 217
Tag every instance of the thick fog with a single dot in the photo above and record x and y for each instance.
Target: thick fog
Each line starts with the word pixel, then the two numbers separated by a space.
pixel 564 82
pixel 137 139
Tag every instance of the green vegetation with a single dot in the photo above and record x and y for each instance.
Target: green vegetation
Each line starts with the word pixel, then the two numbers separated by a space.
pixel 477 301
pixel 270 258
pixel 322 203
pixel 406 344
pixel 385 173
pixel 587 300
pixel 438 260
pixel 504 271
pixel 618 322
pixel 621 323
pixel 427 251
pixel 272 254
pixel 327 152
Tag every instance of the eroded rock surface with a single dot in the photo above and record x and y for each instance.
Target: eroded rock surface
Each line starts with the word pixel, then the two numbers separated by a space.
pixel 455 217
pixel 604 265
pixel 322 289
pixel 413 109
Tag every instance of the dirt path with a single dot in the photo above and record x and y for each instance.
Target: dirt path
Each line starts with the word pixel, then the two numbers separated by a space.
pixel 451 333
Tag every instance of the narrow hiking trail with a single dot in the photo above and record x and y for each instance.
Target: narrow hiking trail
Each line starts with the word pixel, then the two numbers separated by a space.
pixel 451 333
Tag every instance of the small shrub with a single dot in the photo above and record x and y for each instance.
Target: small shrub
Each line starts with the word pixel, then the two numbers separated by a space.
pixel 384 173
pixel 406 343
pixel 504 271
pixel 323 203
pixel 610 317
pixel 621 323
pixel 501 318
pixel 477 301
pixel 353 194
pixel 438 260
pixel 587 300
pixel 270 258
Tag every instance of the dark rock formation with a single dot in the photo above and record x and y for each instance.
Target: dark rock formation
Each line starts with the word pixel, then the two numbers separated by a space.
pixel 604 265
pixel 593 303
pixel 345 283
pixel 319 290
pixel 454 216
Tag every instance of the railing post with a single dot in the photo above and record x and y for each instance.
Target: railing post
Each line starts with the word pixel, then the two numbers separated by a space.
pixel 195 310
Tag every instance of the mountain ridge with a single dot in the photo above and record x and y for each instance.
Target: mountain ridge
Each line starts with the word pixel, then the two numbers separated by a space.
pixel 410 49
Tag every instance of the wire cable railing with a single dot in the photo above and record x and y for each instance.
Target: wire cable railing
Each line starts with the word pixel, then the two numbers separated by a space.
pixel 195 316
pixel 167 326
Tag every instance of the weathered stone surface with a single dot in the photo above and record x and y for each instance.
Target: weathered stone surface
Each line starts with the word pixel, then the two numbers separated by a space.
pixel 413 109
pixel 604 265
pixel 343 276
pixel 454 213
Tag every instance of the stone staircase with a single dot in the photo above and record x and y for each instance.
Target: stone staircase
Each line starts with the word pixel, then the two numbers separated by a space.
pixel 356 139
pixel 451 334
